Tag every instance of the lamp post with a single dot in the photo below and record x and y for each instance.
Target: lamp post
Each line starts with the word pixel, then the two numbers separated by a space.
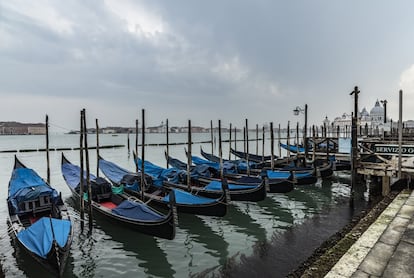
pixel 296 112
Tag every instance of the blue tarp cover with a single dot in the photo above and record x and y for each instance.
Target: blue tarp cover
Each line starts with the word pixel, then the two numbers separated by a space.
pixel 277 174
pixel 25 185
pixel 292 148
pixel 114 172
pixel 285 174
pixel 137 211
pixel 216 185
pixel 228 167
pixel 160 174
pixel 71 173
pixel 39 237
pixel 184 197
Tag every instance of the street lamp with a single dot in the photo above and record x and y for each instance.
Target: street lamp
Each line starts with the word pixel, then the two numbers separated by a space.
pixel 296 112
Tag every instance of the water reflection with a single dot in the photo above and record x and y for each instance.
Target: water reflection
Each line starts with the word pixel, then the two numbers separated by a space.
pixel 110 249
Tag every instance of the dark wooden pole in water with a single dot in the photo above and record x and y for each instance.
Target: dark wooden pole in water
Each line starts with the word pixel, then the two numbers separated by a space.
pixel 400 125
pixel 220 150
pixel 189 160
pixel 97 147
pixel 305 132
pixel 88 178
pixel 143 155
pixel 257 139
pixel 297 138
pixel 278 142
pixel 247 148
pixel 129 148
pixel 353 160
pixel 168 140
pixel 272 147
pixel 82 181
pixel 354 150
pixel 288 140
pixel 263 143
pixel 212 136
pixel 136 145
pixel 235 139
pixel 230 142
pixel 47 150
pixel 244 139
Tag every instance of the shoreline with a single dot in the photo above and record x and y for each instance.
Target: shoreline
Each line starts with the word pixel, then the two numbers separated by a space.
pixel 329 252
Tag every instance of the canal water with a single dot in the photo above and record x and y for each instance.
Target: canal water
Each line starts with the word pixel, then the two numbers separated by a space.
pixel 271 237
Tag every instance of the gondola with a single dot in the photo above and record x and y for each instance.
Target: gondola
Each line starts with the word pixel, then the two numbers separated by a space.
pixel 159 195
pixel 207 185
pixel 252 157
pixel 272 186
pixel 38 219
pixel 129 212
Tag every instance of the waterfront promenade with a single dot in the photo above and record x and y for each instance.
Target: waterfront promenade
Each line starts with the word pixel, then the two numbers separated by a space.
pixel 386 248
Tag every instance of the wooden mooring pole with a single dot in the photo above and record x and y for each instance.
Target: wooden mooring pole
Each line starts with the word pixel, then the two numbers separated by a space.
pixel 97 147
pixel 47 150
pixel 189 160
pixel 168 141
pixel 88 177
pixel 354 149
pixel 143 156
pixel 82 180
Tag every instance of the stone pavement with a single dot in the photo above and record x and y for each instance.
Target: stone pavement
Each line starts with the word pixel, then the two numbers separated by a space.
pixel 386 248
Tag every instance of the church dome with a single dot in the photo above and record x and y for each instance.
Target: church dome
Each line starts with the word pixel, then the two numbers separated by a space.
pixel 377 110
pixel 377 113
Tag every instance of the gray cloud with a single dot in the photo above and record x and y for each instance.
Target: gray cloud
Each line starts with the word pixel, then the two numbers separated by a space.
pixel 204 59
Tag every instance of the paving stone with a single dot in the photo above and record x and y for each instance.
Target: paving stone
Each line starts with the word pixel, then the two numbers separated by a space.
pixel 407 211
pixel 409 233
pixel 376 260
pixel 394 232
pixel 401 264
pixel 360 274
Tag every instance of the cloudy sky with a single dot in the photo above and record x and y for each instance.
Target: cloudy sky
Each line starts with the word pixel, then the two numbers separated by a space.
pixel 202 60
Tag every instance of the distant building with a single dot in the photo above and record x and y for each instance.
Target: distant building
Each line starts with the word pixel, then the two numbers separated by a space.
pixel 16 128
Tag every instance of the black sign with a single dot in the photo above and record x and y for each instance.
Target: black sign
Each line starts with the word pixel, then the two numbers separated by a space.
pixel 394 149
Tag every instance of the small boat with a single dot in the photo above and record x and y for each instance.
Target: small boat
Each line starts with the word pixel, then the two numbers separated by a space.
pixel 39 219
pixel 294 148
pixel 206 182
pixel 130 212
pixel 281 185
pixel 252 157
pixel 160 195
